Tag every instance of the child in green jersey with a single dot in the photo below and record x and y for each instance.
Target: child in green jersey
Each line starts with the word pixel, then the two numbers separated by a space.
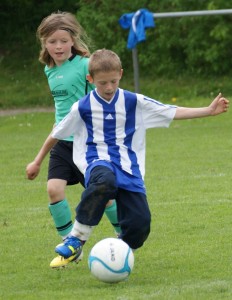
pixel 66 57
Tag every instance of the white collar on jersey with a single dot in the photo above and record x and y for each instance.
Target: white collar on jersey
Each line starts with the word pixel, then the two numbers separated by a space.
pixel 105 99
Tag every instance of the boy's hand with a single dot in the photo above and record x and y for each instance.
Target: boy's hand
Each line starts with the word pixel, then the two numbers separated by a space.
pixel 219 105
pixel 32 170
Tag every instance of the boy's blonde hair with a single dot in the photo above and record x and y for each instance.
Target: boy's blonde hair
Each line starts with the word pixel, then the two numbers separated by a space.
pixel 62 21
pixel 104 60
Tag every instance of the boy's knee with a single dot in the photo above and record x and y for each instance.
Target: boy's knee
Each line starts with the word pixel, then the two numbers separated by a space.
pixel 110 183
pixel 106 189
pixel 104 182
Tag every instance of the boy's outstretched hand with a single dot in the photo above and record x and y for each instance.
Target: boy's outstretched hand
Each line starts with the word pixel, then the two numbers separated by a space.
pixel 219 105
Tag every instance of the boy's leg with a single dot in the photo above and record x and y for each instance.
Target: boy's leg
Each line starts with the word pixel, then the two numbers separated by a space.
pixel 134 217
pixel 61 172
pixel 61 215
pixel 100 188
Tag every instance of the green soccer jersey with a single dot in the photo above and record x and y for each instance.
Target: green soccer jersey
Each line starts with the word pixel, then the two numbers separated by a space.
pixel 68 84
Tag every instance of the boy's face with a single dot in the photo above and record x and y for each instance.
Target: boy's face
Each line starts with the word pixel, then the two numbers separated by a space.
pixel 106 83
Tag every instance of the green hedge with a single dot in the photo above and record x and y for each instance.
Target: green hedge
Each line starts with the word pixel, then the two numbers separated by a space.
pixel 194 45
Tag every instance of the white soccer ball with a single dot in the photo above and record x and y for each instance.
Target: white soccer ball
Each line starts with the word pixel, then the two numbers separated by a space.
pixel 111 260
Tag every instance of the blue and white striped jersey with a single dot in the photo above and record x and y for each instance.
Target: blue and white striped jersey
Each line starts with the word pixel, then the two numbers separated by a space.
pixel 114 132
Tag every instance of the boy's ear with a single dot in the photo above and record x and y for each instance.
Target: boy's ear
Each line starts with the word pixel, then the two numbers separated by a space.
pixel 89 78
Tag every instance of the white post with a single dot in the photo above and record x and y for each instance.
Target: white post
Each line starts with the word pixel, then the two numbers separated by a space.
pixel 172 15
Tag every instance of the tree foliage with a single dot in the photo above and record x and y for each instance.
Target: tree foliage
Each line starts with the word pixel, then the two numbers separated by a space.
pixel 197 45
pixel 19 20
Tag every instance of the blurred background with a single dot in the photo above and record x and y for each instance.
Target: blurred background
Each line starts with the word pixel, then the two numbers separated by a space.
pixel 178 52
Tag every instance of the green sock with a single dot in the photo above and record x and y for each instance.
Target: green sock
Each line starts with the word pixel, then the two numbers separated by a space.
pixel 111 213
pixel 61 215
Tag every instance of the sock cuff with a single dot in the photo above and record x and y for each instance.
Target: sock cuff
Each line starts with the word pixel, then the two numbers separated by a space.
pixel 57 206
pixel 81 231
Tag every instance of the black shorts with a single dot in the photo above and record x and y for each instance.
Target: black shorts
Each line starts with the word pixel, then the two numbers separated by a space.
pixel 61 165
pixel 133 212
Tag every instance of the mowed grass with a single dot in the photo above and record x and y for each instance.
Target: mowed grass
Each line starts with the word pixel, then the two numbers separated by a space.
pixel 188 253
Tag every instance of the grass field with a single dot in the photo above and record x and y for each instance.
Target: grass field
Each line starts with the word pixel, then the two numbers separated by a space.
pixel 188 253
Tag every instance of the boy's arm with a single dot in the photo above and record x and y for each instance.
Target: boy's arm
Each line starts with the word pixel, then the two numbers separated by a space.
pixel 218 105
pixel 33 168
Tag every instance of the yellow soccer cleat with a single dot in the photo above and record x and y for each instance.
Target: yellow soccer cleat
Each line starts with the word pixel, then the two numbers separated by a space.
pixel 61 262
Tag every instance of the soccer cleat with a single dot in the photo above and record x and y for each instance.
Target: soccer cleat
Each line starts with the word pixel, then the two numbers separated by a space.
pixel 60 261
pixel 72 246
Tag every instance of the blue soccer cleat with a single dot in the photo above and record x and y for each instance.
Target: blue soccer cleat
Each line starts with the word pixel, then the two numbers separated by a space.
pixel 71 246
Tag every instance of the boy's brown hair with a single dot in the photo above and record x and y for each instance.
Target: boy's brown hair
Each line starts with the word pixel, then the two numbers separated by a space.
pixel 104 60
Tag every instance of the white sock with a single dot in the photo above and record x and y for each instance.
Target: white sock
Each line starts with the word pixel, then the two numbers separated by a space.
pixel 81 231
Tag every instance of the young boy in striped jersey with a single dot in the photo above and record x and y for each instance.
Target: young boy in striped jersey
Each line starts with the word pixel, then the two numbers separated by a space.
pixel 109 127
